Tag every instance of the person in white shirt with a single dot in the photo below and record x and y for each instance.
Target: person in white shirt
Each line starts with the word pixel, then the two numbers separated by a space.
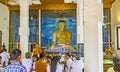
pixel 5 57
pixel 77 65
pixel 68 62
pixel 60 67
pixel 27 62
pixel 1 65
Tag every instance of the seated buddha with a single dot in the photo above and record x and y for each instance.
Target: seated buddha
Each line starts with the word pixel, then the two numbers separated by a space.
pixel 61 37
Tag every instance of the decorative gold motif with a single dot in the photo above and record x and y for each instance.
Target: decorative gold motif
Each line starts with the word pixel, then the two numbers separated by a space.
pixel 16 7
pixel 4 2
pixel 107 3
pixel 51 1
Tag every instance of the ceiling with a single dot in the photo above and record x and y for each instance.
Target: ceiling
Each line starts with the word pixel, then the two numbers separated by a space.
pixel 51 1
pixel 42 1
pixel 45 5
pixel 54 5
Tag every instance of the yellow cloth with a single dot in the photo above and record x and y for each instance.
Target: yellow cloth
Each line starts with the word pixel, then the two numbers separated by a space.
pixel 41 66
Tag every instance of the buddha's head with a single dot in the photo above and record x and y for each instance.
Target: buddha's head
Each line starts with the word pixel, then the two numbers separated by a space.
pixel 61 25
pixel 37 45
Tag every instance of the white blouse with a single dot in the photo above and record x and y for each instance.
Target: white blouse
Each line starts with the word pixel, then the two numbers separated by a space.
pixel 77 66
pixel 27 63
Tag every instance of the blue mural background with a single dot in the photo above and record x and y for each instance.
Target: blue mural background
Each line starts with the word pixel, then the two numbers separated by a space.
pixel 33 25
pixel 15 24
pixel 50 24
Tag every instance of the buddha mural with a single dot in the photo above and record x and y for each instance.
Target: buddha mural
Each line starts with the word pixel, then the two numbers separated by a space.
pixel 61 37
pixel 58 29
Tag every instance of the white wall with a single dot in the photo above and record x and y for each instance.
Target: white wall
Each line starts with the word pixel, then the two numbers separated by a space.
pixel 4 24
pixel 115 15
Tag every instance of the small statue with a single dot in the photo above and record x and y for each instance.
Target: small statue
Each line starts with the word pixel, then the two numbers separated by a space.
pixel 108 52
pixel 37 50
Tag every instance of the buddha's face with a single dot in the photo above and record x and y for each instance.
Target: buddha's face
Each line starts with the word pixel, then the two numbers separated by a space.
pixel 61 25
pixel 37 45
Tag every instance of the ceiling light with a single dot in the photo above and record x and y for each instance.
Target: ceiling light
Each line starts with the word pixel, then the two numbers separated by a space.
pixel 13 2
pixel 36 2
pixel 16 2
pixel 67 1
pixel 70 1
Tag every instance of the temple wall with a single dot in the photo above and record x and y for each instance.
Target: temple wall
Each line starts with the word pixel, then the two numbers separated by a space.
pixel 115 22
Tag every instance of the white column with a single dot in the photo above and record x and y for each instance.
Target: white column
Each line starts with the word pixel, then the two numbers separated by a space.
pixel 80 27
pixel 100 47
pixel 93 14
pixel 80 21
pixel 24 28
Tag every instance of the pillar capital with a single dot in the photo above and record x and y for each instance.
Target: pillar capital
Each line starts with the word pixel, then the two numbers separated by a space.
pixel 107 3
pixel 24 2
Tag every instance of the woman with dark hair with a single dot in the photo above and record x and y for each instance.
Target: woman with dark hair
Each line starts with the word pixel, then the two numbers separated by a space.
pixel 27 61
pixel 35 59
pixel 68 62
pixel 55 65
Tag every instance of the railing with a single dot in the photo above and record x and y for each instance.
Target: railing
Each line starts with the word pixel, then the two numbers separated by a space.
pixel 17 45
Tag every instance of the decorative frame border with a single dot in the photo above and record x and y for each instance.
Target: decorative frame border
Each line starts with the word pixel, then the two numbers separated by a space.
pixel 118 38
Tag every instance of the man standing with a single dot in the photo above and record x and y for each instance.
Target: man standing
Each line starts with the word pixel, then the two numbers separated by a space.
pixel 5 57
pixel 15 66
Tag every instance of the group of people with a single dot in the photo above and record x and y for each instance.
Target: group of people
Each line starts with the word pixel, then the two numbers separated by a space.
pixel 42 63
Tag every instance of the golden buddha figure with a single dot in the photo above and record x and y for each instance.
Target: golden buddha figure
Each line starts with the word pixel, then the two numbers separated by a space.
pixel 37 50
pixel 108 52
pixel 61 36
